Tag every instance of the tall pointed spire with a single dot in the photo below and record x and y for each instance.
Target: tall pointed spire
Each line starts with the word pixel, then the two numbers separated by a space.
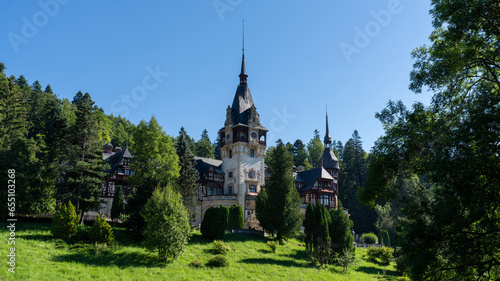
pixel 328 138
pixel 243 73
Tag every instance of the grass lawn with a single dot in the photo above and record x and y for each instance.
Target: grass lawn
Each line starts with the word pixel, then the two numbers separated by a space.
pixel 40 257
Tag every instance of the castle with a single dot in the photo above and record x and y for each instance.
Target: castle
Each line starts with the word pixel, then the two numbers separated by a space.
pixel 241 172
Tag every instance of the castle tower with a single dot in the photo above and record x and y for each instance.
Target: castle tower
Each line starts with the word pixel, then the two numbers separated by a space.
pixel 328 160
pixel 243 147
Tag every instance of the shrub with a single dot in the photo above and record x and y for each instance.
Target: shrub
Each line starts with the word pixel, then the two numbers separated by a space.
pixel 236 220
pixel 345 259
pixel 196 263
pixel 101 231
pixel 212 226
pixel 340 230
pixel 167 224
pixel 384 255
pixel 384 236
pixel 64 222
pixel 225 212
pixel 218 261
pixel 273 245
pixel 221 248
pixel 369 238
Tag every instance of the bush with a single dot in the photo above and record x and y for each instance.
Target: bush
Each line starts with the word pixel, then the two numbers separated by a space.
pixel 384 236
pixel 196 263
pixel 273 245
pixel 118 205
pixel 225 212
pixel 101 231
pixel 212 226
pixel 64 222
pixel 384 255
pixel 218 261
pixel 345 259
pixel 369 238
pixel 221 248
pixel 167 224
pixel 236 220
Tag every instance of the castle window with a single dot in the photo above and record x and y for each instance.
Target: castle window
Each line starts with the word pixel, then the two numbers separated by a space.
pixel 252 153
pixel 230 154
pixel 325 200
pixel 252 188
pixel 230 190
pixel 127 172
pixel 231 174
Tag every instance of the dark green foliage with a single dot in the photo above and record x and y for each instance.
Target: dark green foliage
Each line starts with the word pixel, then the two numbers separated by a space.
pixel 300 155
pixel 277 205
pixel 101 231
pixel 451 219
pixel 225 211
pixel 153 148
pixel 318 239
pixel 369 238
pixel 236 220
pixel 167 224
pixel 340 231
pixel 218 261
pixel 315 148
pixel 345 258
pixel 353 175
pixel 216 146
pixel 384 236
pixel 196 263
pixel 220 247
pixel 203 147
pixel 64 221
pixel 83 176
pixel 118 206
pixel 187 181
pixel 212 226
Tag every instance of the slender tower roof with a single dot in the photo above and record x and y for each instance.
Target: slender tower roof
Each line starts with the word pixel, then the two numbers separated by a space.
pixel 328 138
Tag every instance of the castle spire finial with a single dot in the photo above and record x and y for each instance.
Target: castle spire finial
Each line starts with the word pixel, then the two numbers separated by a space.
pixel 328 138
pixel 243 73
pixel 243 37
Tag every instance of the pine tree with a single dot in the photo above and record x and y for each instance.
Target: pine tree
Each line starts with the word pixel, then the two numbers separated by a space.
pixel 216 146
pixel 278 203
pixel 204 147
pixel 236 220
pixel 187 182
pixel 340 231
pixel 84 173
pixel 315 148
pixel 118 205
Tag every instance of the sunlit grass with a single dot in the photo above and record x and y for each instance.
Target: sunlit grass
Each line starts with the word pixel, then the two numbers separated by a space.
pixel 40 257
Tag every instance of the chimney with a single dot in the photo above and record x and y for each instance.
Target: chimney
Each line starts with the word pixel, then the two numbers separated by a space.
pixel 118 149
pixel 108 148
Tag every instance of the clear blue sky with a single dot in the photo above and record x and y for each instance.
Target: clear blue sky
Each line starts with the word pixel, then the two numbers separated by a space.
pixel 353 56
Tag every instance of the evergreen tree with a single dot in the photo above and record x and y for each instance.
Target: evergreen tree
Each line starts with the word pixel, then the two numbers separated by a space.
pixel 340 231
pixel 187 182
pixel 216 146
pixel 353 176
pixel 204 147
pixel 118 205
pixel 315 148
pixel 83 176
pixel 225 211
pixel 278 206
pixel 309 226
pixel 318 239
pixel 236 220
pixel 212 226
pixel 167 224
pixel 300 155
pixel 155 164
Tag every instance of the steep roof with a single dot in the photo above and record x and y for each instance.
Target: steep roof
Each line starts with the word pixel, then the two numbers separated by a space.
pixel 204 164
pixel 329 159
pixel 115 159
pixel 242 101
pixel 311 176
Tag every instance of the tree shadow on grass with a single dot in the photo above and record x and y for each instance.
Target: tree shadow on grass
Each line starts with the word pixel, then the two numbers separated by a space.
pixel 375 270
pixel 38 237
pixel 121 260
pixel 286 263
